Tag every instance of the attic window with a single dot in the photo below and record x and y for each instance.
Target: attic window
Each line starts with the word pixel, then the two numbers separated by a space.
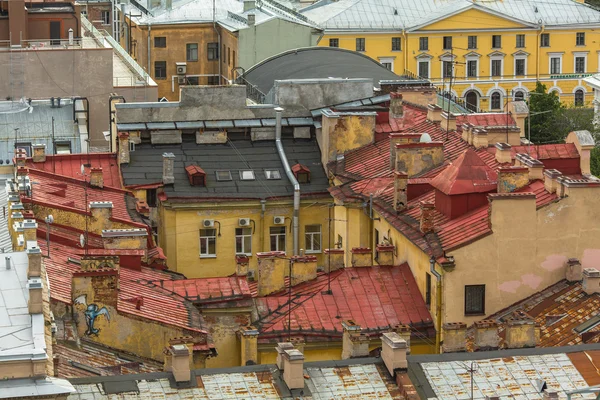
pixel 588 325
pixel 223 176
pixel 272 174
pixel 247 175
pixel 302 173
pixel 196 175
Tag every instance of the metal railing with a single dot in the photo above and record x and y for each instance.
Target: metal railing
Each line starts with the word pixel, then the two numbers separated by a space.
pixel 252 91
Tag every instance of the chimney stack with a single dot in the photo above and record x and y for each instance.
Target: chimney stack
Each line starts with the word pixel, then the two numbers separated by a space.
pixel 271 272
pixel 551 177
pixel 503 153
pixel 248 336
pixel 574 270
pixel 486 335
pixel 354 343
pixel 241 263
pixel 385 254
pixel 591 281
pixel 511 178
pixel 448 123
pixel 334 259
pixel 123 148
pixel 396 105
pixel 455 334
pixel 427 214
pixel 520 331
pixel 404 332
pixel 96 177
pixel 535 167
pixel 434 113
pixel 180 362
pixel 400 190
pixel 362 257
pixel 168 176
pixel 280 348
pixel 101 210
pixel 34 262
pixel 549 394
pixel 293 369
pixel 466 132
pixel 480 138
pixel 39 152
pixel 393 352
pixel 401 138
pixel 251 19
pixel 36 299
pixel 304 269
pixel 415 158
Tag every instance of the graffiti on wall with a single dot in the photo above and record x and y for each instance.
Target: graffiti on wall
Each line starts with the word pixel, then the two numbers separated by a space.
pixel 91 312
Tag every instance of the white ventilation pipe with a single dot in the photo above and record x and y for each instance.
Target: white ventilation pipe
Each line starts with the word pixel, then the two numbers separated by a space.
pixel 290 175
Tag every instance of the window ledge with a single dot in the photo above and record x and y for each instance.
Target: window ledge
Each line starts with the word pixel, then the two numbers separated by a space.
pixel 244 254
pixel 474 314
pixel 312 252
pixel 208 256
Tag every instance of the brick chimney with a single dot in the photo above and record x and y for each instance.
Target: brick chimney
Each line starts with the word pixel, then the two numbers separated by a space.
pixel 434 113
pixel 396 106
pixel 35 303
pixel 123 148
pixel 503 153
pixel 480 138
pixel 400 190
pixel 385 254
pixel 101 210
pixel 535 167
pixel 96 177
pixel 280 348
pixel 168 177
pixel 125 239
pixel 248 336
pixel 34 262
pixel 180 362
pixel 591 281
pixel 414 158
pixel 574 270
pixel 293 369
pixel 427 214
pixel 304 268
pixel 30 230
pixel 455 334
pixel 334 259
pixel 466 132
pixel 486 336
pixel 551 180
pixel 241 265
pixel 354 343
pixel 512 178
pixel 39 152
pixel 448 123
pixel 271 272
pixel 362 257
pixel 401 138
pixel 520 331
pixel 393 352
pixel 404 332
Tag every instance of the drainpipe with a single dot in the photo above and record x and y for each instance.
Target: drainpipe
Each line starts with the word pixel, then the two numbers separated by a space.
pixel 149 48
pixel 87 115
pixel 263 207
pixel 290 175
pixel 111 119
pixel 537 54
pixel 406 52
pixel 438 303
pixel 220 60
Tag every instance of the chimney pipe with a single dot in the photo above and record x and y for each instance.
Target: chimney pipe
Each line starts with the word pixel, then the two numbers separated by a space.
pixel 251 19
pixel 168 177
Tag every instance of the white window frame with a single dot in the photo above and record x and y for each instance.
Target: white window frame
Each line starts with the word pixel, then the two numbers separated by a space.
pixel 497 58
pixel 243 236
pixel 207 238
pixel 580 54
pixel 501 100
pixel 387 60
pixel 424 60
pixel 550 57
pixel 515 66
pixel 443 60
pixel 312 235
pixel 105 21
pixel 277 235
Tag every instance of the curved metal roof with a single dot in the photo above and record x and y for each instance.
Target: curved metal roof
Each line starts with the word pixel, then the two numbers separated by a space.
pixel 316 63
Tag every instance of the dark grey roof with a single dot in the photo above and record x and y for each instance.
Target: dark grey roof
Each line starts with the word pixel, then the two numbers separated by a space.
pixel 145 168
pixel 314 63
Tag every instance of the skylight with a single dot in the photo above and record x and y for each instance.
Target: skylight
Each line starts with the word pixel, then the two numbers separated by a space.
pixel 223 176
pixel 247 175
pixel 272 174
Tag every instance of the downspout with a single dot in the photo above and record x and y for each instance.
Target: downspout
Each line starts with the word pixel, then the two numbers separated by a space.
pixel 149 48
pixel 263 207
pixel 220 59
pixel 110 119
pixel 290 175
pixel 406 51
pixel 537 54
pixel 438 304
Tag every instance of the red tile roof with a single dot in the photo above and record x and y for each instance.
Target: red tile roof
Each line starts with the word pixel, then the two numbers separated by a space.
pixel 548 151
pixel 374 297
pixel 467 174
pixel 208 290
pixel 486 119
pixel 70 165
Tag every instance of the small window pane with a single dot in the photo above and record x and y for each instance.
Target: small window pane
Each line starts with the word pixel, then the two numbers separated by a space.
pixel 496 41
pixel 472 42
pixel 423 43
pixel 160 41
pixel 208 242
pixel 247 175
pixel 212 51
pixel 471 68
pixel 520 67
pixel 277 236
pixel 396 44
pixel 555 65
pixel 474 299
pixel 447 42
pixel 191 51
pixel 520 41
pixel 223 176
pixel 496 67
pixel 63 148
pixel 424 69
pixel 579 97
pixel 334 43
pixel 272 174
pixel 160 70
pixel 312 238
pixel 580 39
pixel 496 101
pixel 360 44
pixel 580 65
pixel 243 241
pixel 545 40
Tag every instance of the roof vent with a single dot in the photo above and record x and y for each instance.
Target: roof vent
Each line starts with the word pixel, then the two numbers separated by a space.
pixel 425 138
pixel 196 175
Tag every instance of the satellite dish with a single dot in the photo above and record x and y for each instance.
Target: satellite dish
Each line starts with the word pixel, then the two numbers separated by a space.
pixel 50 219
pixel 82 169
pixel 82 240
pixel 425 138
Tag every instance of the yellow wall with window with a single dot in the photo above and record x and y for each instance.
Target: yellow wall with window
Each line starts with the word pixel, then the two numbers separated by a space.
pixel 181 225
pixel 562 44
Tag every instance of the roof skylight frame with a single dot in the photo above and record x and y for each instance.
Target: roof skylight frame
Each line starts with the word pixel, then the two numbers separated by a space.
pixel 247 175
pixel 223 175
pixel 272 174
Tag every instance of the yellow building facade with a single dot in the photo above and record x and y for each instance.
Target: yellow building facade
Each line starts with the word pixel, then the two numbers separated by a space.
pixel 482 53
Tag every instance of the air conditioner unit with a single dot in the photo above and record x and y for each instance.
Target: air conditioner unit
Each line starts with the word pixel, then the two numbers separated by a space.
pixel 208 223
pixel 279 220
pixel 244 221
pixel 181 80
pixel 251 275
pixel 181 68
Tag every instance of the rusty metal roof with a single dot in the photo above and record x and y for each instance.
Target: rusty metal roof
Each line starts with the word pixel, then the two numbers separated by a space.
pixel 467 174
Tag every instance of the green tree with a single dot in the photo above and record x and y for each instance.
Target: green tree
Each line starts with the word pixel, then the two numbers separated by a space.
pixel 543 129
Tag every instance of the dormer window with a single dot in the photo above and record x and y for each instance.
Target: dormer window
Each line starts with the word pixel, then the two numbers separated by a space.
pixel 302 173
pixel 247 175
pixel 223 176
pixel 196 175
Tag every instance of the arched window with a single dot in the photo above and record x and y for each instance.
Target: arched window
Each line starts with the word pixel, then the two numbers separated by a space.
pixel 579 97
pixel 472 100
pixel 519 95
pixel 496 101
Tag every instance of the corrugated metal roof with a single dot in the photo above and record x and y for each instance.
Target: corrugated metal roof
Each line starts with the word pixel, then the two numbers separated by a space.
pixel 247 123
pixel 219 124
pixel 190 125
pixel 160 125
pixel 131 127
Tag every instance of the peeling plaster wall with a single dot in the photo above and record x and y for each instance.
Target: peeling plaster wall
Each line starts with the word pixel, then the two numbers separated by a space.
pixel 223 326
pixel 345 133
pixel 527 251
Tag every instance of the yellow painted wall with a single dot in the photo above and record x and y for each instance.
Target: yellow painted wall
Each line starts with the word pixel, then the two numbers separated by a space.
pixel 345 133
pixel 527 252
pixel 222 326
pixel 378 45
pixel 177 37
pixel 180 225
